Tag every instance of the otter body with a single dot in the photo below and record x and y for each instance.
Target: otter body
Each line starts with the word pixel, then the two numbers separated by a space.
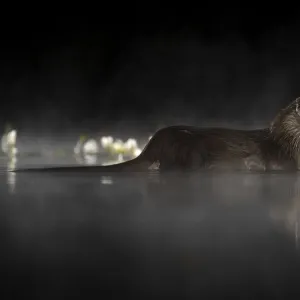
pixel 192 148
pixel 189 148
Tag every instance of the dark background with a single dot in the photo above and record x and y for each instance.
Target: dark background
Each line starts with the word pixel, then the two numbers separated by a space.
pixel 133 69
pixel 148 65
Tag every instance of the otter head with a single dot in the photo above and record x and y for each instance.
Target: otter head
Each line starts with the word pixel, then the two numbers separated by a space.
pixel 285 129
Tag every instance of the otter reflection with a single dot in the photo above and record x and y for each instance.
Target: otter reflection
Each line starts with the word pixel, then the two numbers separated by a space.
pixel 277 195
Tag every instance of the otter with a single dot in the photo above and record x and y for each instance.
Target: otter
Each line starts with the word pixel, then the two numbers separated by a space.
pixel 189 148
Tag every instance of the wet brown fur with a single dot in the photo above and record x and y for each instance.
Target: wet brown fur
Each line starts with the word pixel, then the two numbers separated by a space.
pixel 192 148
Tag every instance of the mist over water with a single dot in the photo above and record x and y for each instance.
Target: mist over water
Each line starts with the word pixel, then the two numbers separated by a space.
pixel 151 236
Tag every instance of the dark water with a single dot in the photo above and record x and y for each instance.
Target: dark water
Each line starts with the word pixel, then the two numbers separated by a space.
pixel 150 237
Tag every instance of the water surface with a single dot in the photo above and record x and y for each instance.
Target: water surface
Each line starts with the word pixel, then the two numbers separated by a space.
pixel 150 237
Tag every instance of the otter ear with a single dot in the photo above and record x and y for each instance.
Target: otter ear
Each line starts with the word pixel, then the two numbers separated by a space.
pixel 297 108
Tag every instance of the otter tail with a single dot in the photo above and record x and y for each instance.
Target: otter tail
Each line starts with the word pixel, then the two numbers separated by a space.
pixel 133 165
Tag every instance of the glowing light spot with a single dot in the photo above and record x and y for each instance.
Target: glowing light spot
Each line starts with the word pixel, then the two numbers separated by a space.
pixel 12 138
pixel 106 141
pixel 8 143
pixel 137 152
pixel 130 144
pixel 90 147
pixel 118 145
pixel 106 180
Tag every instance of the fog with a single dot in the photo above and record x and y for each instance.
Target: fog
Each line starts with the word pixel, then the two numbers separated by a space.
pixel 146 237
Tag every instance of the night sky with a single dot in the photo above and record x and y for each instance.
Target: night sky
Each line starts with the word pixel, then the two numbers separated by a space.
pixel 149 66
